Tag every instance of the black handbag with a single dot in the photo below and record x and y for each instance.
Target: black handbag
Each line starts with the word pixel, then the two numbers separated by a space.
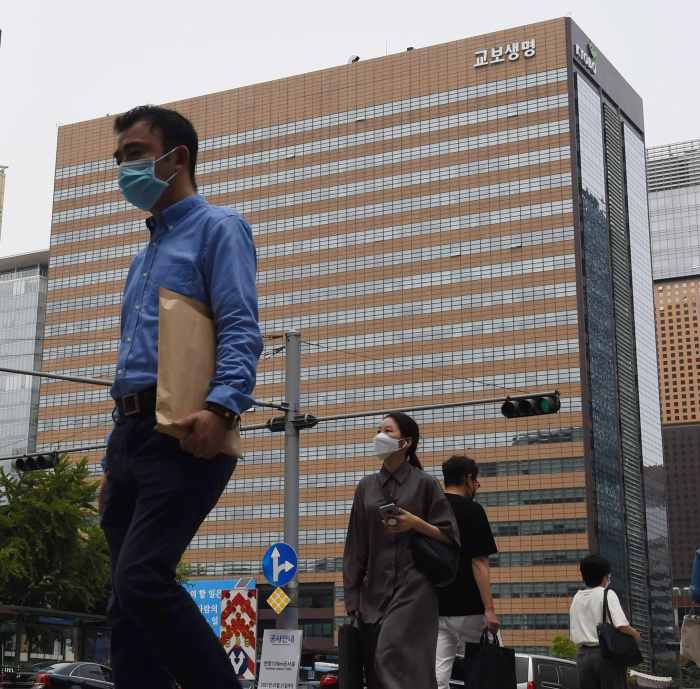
pixel 615 646
pixel 438 561
pixel 350 656
pixel 494 665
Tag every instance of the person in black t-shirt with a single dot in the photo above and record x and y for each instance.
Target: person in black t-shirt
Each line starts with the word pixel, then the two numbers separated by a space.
pixel 466 605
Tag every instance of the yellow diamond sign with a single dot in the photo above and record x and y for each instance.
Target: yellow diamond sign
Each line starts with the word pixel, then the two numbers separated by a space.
pixel 279 600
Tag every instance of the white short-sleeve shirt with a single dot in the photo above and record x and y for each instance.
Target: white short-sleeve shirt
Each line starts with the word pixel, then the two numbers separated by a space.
pixel 587 612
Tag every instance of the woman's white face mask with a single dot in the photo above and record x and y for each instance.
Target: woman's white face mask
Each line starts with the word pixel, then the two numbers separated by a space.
pixel 385 446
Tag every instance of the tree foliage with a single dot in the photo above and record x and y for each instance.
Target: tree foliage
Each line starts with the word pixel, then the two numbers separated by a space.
pixel 562 646
pixel 53 553
pixel 183 572
pixel 691 674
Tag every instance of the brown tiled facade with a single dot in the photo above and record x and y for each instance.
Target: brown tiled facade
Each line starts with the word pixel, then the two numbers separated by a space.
pixel 679 375
pixel 415 220
pixel 679 347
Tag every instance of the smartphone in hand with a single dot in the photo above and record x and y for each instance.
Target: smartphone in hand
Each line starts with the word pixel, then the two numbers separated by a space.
pixel 389 512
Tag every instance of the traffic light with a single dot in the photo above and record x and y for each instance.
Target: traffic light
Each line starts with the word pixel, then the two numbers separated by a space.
pixel 531 406
pixel 37 461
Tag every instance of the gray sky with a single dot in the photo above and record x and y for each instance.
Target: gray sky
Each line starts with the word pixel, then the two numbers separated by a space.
pixel 72 60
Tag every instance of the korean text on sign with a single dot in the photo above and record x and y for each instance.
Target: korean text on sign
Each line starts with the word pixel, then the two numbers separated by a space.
pixel 512 52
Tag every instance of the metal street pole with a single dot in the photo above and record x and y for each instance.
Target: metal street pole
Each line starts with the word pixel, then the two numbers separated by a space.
pixel 292 393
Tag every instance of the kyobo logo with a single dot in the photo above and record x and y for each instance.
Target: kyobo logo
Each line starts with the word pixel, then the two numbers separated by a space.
pixel 585 58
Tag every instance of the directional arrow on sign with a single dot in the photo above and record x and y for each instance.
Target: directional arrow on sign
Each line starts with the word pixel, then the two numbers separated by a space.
pixel 277 567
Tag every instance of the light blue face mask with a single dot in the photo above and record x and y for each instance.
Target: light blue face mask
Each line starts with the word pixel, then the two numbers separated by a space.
pixel 139 184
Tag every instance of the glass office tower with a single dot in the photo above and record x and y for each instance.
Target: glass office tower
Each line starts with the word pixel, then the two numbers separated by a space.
pixel 674 200
pixel 462 221
pixel 23 286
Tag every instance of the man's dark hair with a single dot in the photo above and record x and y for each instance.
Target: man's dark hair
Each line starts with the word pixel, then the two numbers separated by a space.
pixel 174 128
pixel 457 468
pixel 594 568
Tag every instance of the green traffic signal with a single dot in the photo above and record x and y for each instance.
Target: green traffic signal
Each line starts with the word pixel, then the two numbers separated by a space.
pixel 531 406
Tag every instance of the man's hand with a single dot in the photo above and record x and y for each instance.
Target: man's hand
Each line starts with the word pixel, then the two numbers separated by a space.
pixel 492 621
pixel 206 433
pixel 100 495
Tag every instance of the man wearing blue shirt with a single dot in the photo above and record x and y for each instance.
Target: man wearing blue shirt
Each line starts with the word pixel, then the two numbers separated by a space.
pixel 157 490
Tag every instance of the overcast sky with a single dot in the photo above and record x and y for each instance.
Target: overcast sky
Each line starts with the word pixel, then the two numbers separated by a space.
pixel 63 62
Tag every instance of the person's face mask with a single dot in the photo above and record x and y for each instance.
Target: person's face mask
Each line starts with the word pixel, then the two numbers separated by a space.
pixel 384 445
pixel 139 184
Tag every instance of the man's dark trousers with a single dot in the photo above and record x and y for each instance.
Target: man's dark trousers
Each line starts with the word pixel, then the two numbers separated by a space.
pixel 155 499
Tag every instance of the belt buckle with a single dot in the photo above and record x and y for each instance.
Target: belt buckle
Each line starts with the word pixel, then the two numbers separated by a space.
pixel 128 401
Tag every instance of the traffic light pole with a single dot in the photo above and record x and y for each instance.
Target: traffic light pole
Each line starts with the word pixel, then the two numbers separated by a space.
pixel 292 394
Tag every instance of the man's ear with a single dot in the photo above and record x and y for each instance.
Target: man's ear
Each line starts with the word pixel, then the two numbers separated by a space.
pixel 182 156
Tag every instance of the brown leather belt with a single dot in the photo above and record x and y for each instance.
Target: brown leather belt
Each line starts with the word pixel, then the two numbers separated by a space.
pixel 141 403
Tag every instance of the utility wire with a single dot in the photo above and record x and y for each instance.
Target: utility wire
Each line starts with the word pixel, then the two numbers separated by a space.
pixel 406 368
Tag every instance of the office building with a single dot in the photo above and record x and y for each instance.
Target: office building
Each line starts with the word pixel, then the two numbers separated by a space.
pixel 674 208
pixel 2 192
pixel 449 223
pixel 23 286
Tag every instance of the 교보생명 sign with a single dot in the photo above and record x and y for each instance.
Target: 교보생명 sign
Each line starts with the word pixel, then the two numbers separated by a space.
pixel 512 52
pixel 279 665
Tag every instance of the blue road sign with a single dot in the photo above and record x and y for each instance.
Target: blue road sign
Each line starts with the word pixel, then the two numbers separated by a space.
pixel 280 564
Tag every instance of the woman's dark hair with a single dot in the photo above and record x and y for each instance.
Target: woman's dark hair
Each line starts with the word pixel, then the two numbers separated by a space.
pixel 174 128
pixel 457 468
pixel 409 429
pixel 594 568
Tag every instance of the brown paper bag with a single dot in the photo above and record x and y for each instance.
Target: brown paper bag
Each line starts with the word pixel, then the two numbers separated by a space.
pixel 186 364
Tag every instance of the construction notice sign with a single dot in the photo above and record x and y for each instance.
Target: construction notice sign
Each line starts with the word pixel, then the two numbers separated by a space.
pixel 279 666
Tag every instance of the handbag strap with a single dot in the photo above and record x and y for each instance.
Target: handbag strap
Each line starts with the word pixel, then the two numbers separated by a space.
pixel 606 608
pixel 485 638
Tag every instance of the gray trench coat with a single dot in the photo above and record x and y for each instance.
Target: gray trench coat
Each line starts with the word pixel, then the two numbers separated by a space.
pixel 382 581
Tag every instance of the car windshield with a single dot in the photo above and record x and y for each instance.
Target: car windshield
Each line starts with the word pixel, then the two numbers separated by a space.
pixel 48 667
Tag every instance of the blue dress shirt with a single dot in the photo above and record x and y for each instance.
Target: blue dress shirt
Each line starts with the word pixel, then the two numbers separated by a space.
pixel 207 253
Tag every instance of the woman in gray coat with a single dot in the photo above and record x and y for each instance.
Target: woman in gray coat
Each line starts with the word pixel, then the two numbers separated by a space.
pixel 395 603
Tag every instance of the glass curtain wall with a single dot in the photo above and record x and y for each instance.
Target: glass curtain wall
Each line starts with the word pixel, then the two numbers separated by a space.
pixel 600 345
pixel 659 567
pixel 22 316
pixel 628 399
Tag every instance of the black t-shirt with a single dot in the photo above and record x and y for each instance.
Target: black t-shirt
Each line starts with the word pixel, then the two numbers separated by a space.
pixel 462 596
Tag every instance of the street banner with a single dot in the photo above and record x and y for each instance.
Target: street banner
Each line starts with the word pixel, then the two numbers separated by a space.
pixel 281 653
pixel 230 606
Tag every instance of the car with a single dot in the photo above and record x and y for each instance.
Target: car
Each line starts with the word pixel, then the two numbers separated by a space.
pixel 58 676
pixel 540 672
pixel 532 672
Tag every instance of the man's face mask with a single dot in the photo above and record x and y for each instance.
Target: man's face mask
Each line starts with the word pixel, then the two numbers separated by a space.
pixel 139 184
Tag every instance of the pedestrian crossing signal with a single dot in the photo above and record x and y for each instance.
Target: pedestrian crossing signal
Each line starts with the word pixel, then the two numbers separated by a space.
pixel 531 406
pixel 37 462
